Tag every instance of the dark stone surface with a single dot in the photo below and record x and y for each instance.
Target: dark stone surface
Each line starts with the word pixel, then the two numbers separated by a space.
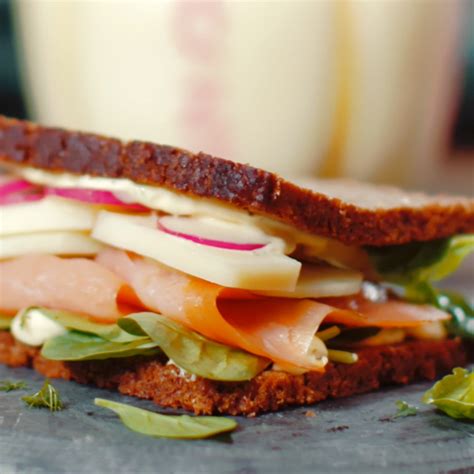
pixel 353 435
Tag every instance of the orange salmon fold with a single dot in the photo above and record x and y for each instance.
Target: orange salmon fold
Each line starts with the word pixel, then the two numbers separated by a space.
pixel 277 328
pixel 358 311
pixel 71 284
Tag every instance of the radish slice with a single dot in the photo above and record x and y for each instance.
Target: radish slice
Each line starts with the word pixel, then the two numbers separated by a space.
pixel 212 233
pixel 14 186
pixel 19 191
pixel 94 196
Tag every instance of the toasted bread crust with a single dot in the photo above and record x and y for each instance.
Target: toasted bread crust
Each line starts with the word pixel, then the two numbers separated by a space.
pixel 239 185
pixel 151 378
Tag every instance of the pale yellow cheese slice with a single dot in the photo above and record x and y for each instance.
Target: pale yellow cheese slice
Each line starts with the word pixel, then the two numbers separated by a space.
pixel 316 281
pixel 57 243
pixel 49 214
pixel 263 269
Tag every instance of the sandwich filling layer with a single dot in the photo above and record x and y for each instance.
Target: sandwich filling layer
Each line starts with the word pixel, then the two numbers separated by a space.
pixel 95 268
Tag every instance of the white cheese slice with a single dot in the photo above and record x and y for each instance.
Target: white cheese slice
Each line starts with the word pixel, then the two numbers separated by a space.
pixel 253 270
pixel 317 281
pixel 57 243
pixel 49 214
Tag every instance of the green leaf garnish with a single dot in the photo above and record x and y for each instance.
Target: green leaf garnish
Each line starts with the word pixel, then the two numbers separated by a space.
pixel 415 262
pixel 168 426
pixel 193 352
pixel 454 394
pixel 76 346
pixel 5 322
pixel 404 409
pixel 46 397
pixel 461 311
pixel 9 385
pixel 415 265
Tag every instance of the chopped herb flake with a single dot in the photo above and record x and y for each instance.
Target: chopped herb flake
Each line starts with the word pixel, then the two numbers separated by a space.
pixel 10 386
pixel 404 409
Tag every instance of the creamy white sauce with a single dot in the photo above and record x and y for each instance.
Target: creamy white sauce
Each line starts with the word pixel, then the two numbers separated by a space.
pixel 374 292
pixel 171 202
pixel 154 197
pixel 34 328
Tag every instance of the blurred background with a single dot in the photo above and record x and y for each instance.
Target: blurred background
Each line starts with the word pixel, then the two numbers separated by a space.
pixel 375 90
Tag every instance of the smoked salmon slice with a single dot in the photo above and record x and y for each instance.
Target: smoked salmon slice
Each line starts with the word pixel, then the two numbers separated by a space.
pixel 359 311
pixel 71 284
pixel 277 328
pixel 118 283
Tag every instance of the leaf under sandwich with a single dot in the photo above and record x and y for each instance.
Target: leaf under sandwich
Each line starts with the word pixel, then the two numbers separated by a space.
pixel 77 346
pixel 193 352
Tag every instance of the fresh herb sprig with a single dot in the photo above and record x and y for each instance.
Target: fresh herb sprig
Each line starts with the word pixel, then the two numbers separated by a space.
pixel 46 397
pixel 10 385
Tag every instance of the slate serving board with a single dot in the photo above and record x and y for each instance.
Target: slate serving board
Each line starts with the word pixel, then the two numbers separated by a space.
pixel 351 435
pixel 354 435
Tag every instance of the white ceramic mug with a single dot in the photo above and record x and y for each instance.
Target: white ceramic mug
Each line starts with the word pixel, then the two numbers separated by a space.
pixel 319 87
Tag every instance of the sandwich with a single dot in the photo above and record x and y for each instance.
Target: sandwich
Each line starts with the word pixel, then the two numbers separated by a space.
pixel 216 287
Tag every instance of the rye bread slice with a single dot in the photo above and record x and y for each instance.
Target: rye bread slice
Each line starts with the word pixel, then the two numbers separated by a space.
pixel 152 379
pixel 351 212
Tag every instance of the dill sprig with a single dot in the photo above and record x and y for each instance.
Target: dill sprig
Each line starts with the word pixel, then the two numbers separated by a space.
pixel 47 397
pixel 10 385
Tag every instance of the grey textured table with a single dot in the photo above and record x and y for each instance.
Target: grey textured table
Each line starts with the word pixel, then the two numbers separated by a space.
pixel 344 436
pixel 351 435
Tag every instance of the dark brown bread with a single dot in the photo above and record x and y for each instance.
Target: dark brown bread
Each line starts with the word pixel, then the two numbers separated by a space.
pixel 350 212
pixel 151 378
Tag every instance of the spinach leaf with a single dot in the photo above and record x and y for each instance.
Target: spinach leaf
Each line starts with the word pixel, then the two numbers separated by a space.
pixel 5 322
pixel 461 311
pixel 78 322
pixel 454 394
pixel 193 352
pixel 404 409
pixel 415 265
pixel 168 426
pixel 75 346
pixel 416 262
